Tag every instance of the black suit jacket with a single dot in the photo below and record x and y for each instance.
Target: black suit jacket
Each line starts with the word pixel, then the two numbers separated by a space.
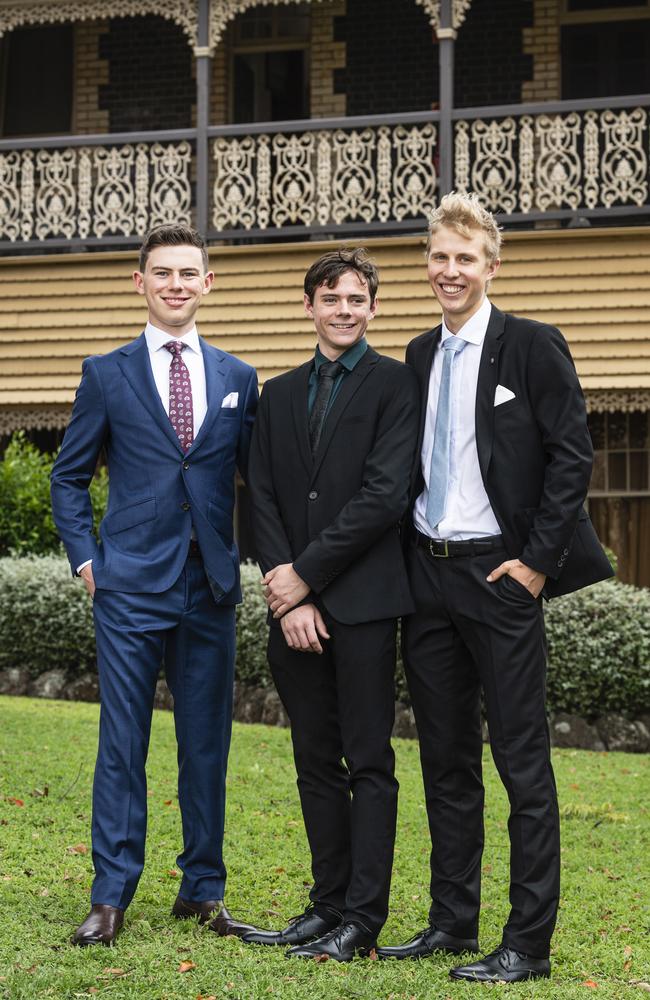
pixel 534 450
pixel 336 515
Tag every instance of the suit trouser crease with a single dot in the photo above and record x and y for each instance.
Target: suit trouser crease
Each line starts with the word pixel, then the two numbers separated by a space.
pixel 341 708
pixel 467 635
pixel 194 638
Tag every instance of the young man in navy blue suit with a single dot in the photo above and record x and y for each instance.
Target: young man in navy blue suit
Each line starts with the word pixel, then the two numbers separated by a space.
pixel 174 417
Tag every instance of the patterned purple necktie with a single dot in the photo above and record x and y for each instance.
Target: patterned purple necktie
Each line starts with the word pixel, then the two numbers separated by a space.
pixel 181 411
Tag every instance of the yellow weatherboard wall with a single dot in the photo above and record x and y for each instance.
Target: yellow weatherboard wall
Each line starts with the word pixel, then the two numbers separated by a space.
pixel 58 309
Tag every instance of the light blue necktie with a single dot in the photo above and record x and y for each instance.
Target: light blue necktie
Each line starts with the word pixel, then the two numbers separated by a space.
pixel 440 456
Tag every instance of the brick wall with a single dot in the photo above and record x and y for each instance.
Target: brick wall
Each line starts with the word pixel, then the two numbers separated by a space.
pixel 392 63
pixel 491 65
pixel 90 72
pixel 328 58
pixel 150 75
pixel 542 44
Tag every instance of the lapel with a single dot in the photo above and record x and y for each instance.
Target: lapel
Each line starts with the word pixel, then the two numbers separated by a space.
pixel 299 409
pixel 423 371
pixel 215 363
pixel 350 385
pixel 136 368
pixel 488 379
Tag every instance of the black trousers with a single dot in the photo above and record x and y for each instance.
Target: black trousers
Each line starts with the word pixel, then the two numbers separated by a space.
pixel 466 635
pixel 341 705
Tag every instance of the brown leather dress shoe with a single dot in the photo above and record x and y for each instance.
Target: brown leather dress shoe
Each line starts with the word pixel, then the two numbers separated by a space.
pixel 184 909
pixel 100 926
pixel 223 924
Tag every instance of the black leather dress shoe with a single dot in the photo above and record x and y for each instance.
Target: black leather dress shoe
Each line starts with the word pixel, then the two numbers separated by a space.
pixel 100 926
pixel 341 944
pixel 428 942
pixel 503 965
pixel 307 926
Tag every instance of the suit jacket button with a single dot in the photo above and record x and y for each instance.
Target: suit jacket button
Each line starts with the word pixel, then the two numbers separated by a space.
pixel 313 495
pixel 186 465
pixel 185 505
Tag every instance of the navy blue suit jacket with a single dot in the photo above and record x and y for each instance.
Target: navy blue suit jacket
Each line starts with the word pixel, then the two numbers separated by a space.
pixel 156 491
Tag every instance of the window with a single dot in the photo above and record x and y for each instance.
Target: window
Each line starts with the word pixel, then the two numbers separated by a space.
pixel 36 81
pixel 270 79
pixel 621 453
pixel 606 59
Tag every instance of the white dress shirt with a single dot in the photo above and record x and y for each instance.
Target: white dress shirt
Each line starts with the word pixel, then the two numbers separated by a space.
pixel 161 360
pixel 468 513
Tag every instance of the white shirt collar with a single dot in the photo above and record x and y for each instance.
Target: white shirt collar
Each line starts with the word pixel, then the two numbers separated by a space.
pixel 156 338
pixel 473 331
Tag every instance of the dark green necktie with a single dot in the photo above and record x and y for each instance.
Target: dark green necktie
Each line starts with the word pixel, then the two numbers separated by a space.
pixel 327 374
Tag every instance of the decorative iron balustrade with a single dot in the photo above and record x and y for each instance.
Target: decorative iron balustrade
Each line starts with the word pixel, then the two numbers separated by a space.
pixel 326 176
pixel 549 162
pixel 88 193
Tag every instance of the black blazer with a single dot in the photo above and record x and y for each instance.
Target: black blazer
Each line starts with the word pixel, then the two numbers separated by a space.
pixel 335 516
pixel 534 450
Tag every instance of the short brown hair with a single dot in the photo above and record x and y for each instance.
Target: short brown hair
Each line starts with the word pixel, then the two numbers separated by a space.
pixel 328 269
pixel 466 214
pixel 171 234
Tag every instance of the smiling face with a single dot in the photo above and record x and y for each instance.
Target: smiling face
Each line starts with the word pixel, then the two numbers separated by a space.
pixel 173 283
pixel 341 314
pixel 459 272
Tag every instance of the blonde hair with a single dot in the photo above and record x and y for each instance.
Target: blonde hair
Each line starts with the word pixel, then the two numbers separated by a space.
pixel 466 214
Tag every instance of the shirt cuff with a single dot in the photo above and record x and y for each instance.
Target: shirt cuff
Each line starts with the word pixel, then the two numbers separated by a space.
pixel 86 563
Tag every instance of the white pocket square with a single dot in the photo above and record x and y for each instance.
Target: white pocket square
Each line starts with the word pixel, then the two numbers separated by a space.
pixel 230 401
pixel 502 395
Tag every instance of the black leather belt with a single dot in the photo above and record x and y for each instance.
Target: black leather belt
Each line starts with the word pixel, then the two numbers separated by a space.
pixel 194 549
pixel 470 547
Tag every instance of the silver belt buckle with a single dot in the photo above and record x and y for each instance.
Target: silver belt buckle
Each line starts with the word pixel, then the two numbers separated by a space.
pixel 439 555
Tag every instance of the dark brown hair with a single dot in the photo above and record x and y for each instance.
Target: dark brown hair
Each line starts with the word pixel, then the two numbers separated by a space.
pixel 328 269
pixel 171 234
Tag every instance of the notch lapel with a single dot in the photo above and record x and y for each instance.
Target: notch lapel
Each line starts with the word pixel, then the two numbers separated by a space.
pixel 300 411
pixel 215 365
pixel 136 368
pixel 488 379
pixel 351 383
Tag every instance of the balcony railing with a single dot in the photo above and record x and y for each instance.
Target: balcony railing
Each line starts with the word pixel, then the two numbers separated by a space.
pixel 585 159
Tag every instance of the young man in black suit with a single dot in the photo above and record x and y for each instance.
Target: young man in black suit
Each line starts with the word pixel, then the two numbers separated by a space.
pixel 331 456
pixel 505 462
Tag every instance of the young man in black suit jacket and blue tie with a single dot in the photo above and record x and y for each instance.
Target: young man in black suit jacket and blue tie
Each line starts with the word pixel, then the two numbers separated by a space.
pixel 331 456
pixel 174 416
pixel 504 465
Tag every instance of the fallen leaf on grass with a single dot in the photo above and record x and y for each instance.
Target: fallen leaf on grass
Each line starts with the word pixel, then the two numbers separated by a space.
pixel 200 996
pixel 611 876
pixel 591 984
pixel 280 871
pixel 15 802
pixel 372 955
pixel 627 950
pixel 41 793
pixel 44 892
pixel 172 873
pixel 115 972
pixel 641 984
pixel 78 849
pixel 186 966
pixel 93 989
pixel 4 822
pixel 321 958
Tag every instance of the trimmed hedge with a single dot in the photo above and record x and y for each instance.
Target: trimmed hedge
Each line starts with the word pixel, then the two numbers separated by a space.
pixel 26 524
pixel 599 638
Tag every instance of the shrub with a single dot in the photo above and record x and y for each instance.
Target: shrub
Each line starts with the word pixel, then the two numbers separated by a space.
pixel 46 616
pixel 26 524
pixel 599 650
pixel 599 638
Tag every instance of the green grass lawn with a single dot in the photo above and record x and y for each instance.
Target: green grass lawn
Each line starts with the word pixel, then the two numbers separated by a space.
pixel 601 946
